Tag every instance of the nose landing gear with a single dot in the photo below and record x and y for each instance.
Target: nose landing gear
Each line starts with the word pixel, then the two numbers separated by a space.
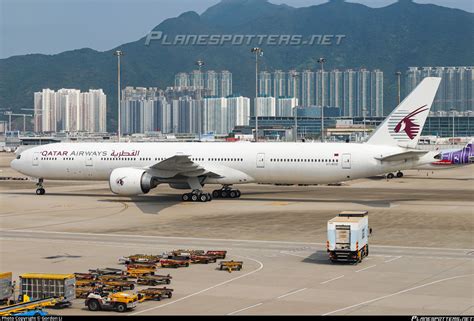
pixel 40 189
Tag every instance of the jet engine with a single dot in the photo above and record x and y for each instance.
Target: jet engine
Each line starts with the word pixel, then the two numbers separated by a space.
pixel 131 181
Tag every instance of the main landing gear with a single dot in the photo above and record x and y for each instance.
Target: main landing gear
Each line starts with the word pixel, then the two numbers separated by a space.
pixel 399 174
pixel 226 192
pixel 40 189
pixel 196 196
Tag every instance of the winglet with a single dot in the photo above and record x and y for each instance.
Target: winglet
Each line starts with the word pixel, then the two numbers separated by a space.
pixel 404 125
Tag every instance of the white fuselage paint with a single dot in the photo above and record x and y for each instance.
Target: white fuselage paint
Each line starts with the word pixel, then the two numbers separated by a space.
pixel 243 162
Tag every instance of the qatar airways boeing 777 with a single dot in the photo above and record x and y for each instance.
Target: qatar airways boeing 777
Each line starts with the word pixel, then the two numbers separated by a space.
pixel 136 168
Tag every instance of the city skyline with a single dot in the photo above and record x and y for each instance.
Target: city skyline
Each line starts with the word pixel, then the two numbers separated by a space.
pixel 192 106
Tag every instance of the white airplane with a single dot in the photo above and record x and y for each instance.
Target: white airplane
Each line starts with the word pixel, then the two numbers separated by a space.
pixel 136 168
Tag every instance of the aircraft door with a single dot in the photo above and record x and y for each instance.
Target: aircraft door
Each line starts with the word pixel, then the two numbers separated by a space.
pixel 89 161
pixel 346 161
pixel 36 157
pixel 261 160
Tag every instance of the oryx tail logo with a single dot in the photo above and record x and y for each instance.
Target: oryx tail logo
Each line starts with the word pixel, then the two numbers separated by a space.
pixel 408 125
pixel 120 181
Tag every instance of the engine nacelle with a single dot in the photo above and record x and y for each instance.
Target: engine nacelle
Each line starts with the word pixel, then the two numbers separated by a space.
pixel 130 181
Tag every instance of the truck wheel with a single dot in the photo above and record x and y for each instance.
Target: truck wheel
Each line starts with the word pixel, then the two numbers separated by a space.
pixel 168 281
pixel 132 286
pixel 170 295
pixel 367 250
pixel 121 307
pixel 93 305
pixel 187 264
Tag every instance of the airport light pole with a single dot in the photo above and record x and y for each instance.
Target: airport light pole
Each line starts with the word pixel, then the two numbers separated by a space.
pixel 294 75
pixel 398 74
pixel 321 61
pixel 258 52
pixel 453 110
pixel 200 63
pixel 469 113
pixel 364 110
pixel 118 53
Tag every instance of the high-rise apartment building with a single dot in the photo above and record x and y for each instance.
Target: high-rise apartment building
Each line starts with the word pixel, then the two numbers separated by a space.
pixel 238 111
pixel 279 83
pixel 70 110
pixel 265 106
pixel 455 91
pixel 308 88
pixel 285 106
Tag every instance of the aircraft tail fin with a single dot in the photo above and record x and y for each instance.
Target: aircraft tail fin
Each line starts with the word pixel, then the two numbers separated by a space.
pixel 405 123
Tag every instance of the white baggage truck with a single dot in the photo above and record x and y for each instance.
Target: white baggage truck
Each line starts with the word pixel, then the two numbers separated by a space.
pixel 348 235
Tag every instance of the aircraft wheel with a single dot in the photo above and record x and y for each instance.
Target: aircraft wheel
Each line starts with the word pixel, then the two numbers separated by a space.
pixel 224 194
pixel 216 194
pixel 203 198
pixel 40 191
pixel 232 194
pixel 238 193
pixel 209 197
pixel 390 175
pixel 399 174
pixel 185 197
pixel 194 197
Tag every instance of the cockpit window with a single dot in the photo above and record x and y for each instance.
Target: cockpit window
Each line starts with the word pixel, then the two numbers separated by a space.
pixel 438 156
pixel 18 156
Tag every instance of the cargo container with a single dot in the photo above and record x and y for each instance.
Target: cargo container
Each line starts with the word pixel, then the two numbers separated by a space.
pixel 348 235
pixel 42 286
pixel 6 289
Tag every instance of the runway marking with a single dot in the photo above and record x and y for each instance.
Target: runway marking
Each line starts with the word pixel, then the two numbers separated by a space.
pixel 247 308
pixel 291 293
pixel 207 289
pixel 332 279
pixel 391 260
pixel 221 240
pixel 279 203
pixel 399 292
pixel 369 267
pixel 293 254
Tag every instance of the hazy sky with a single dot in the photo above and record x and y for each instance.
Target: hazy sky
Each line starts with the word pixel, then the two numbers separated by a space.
pixel 53 26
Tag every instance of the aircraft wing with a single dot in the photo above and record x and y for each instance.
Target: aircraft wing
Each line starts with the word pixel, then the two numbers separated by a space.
pixel 180 165
pixel 402 156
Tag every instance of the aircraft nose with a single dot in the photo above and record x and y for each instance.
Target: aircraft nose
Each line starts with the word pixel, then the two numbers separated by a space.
pixel 14 164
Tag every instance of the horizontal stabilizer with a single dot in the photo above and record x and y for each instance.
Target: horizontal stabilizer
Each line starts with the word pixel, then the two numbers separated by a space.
pixel 402 156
